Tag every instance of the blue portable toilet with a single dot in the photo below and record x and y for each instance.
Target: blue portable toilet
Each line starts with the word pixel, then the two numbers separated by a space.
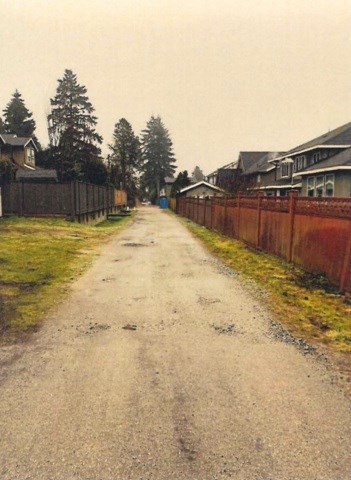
pixel 163 202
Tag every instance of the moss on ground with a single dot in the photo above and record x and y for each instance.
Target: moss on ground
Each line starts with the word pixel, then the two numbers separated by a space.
pixel 38 257
pixel 305 303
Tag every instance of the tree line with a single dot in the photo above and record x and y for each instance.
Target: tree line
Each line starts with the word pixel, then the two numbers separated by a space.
pixel 135 163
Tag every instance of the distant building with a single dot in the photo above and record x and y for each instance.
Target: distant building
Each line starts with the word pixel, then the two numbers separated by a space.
pixel 20 151
pixel 201 190
pixel 318 168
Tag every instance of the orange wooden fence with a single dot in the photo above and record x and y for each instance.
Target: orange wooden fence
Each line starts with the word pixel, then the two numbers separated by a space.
pixel 314 233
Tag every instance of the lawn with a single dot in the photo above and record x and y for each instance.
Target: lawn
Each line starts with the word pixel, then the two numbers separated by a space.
pixel 38 259
pixel 306 304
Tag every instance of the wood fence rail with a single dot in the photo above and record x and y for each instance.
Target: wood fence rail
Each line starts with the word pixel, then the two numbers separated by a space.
pixel 74 200
pixel 314 233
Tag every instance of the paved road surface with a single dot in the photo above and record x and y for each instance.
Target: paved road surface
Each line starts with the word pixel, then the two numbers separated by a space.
pixel 198 391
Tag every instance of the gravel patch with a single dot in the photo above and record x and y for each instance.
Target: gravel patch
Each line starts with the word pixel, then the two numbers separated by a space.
pixel 278 332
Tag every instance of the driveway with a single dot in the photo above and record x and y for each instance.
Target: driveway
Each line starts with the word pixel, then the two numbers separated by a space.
pixel 163 365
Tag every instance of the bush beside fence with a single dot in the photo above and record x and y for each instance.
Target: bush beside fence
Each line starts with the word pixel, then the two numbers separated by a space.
pixel 314 233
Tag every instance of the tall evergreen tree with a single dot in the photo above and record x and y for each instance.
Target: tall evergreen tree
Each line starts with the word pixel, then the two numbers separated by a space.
pixel 74 142
pixel 181 181
pixel 125 158
pixel 2 127
pixel 158 156
pixel 17 118
pixel 197 174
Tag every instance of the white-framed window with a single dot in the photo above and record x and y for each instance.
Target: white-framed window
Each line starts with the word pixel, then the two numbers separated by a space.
pixel 311 186
pixel 30 155
pixel 316 157
pixel 329 185
pixel 321 186
pixel 285 170
pixel 299 163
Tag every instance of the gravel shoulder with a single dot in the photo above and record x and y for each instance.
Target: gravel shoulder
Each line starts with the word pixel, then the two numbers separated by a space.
pixel 162 365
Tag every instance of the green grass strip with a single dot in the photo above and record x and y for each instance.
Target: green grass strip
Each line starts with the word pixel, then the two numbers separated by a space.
pixel 38 257
pixel 305 303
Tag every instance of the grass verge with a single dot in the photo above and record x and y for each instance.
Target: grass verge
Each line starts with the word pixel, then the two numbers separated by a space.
pixel 38 257
pixel 305 303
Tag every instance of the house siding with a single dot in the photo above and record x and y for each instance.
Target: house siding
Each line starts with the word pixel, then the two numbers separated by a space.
pixel 18 155
pixel 342 186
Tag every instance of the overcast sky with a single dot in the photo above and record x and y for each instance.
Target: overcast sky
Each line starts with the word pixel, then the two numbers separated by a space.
pixel 224 75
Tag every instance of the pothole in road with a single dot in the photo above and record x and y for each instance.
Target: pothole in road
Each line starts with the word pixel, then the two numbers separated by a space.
pixel 228 329
pixel 93 328
pixel 189 452
pixel 130 327
pixel 207 301
pixel 134 244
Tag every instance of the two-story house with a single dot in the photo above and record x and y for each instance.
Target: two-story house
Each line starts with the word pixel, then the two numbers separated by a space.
pixel 260 175
pixel 20 151
pixel 317 167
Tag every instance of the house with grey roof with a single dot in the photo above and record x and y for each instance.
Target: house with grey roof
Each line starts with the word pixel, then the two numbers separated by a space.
pixel 295 166
pixel 251 171
pixel 20 151
pixel 261 174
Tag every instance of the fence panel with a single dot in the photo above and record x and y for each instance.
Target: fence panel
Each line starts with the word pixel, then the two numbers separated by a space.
pixel 314 233
pixel 64 199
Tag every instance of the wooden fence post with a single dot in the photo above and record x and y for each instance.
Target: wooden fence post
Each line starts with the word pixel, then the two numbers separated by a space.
pixel 346 268
pixel 212 212
pixel 205 206
pixel 292 205
pixel 73 203
pixel 225 215
pixel 198 210
pixel 259 210
pixel 87 197
pixel 238 220
pixel 22 204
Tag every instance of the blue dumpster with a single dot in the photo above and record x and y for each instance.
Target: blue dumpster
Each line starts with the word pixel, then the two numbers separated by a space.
pixel 163 202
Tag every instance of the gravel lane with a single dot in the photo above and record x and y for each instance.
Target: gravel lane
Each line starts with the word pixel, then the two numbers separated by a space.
pixel 163 366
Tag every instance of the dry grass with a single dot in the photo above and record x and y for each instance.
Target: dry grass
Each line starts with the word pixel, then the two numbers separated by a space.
pixel 38 257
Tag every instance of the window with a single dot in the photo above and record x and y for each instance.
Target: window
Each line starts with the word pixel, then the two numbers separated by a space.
pixel 321 186
pixel 299 163
pixel 316 157
pixel 311 185
pixel 285 172
pixel 329 185
pixel 30 155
